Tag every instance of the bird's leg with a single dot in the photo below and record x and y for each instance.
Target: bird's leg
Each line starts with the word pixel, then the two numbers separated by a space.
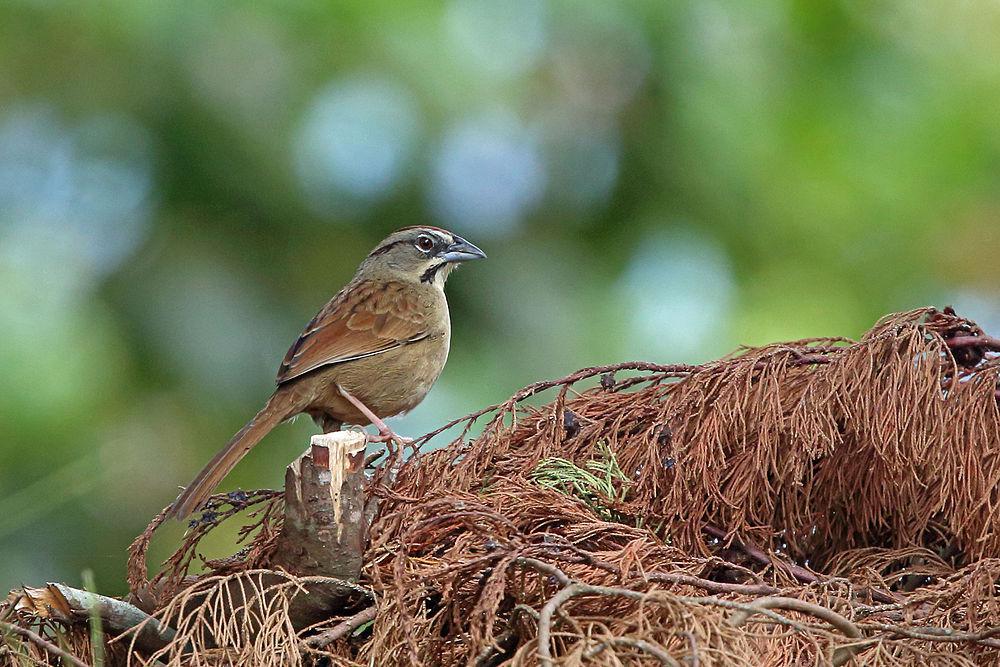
pixel 385 434
pixel 327 423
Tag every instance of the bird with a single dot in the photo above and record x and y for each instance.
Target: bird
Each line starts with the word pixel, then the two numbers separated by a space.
pixel 373 351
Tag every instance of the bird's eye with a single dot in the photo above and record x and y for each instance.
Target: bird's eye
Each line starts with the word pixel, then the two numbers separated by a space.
pixel 425 243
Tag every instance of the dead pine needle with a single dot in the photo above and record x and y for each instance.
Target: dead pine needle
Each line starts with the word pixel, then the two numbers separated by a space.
pixel 808 502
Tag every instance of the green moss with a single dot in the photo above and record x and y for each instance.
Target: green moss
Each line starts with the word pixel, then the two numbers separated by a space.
pixel 599 484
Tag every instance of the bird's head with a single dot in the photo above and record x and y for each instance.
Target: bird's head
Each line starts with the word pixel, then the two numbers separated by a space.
pixel 424 254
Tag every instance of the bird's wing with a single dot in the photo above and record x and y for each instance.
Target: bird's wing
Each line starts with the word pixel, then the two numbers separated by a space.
pixel 363 320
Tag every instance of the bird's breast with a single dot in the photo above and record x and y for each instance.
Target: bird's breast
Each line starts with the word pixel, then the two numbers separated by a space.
pixel 389 383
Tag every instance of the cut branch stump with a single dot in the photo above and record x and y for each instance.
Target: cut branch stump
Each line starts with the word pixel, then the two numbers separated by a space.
pixel 325 531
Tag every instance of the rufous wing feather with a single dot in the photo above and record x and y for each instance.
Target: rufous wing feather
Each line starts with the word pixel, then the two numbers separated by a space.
pixel 363 320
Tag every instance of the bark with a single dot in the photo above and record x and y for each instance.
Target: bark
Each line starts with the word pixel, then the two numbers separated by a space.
pixel 325 531
pixel 327 515
pixel 67 604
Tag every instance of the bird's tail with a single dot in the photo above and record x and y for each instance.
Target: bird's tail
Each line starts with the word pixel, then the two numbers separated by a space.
pixel 281 406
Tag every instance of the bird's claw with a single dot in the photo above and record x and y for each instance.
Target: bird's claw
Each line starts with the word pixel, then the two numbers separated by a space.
pixel 389 436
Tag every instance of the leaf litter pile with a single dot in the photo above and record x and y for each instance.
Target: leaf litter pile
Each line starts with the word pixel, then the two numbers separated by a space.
pixel 822 501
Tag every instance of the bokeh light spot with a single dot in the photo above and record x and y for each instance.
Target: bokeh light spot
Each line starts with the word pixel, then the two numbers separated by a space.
pixel 678 293
pixel 488 173
pixel 501 38
pixel 74 201
pixel 355 141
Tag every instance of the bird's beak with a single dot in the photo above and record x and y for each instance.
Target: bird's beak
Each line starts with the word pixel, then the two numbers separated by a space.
pixel 461 250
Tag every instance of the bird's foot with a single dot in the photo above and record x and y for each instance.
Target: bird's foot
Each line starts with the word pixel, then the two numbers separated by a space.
pixel 388 435
pixel 385 434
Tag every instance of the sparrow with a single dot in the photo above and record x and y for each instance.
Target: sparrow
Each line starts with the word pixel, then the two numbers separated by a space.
pixel 373 351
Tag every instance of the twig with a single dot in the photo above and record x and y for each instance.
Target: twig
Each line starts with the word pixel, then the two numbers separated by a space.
pixel 840 655
pixel 575 588
pixel 42 643
pixel 985 342
pixel 149 594
pixel 693 660
pixel 538 387
pixel 794 604
pixel 564 595
pixel 681 578
pixel 800 573
pixel 713 601
pixel 932 634
pixel 638 644
pixel 710 586
pixel 501 644
pixel 343 628
pixel 862 611
pixel 527 610
pixel 547 568
pixel 799 359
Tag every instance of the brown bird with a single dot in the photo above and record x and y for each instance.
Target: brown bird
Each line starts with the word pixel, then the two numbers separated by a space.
pixel 373 351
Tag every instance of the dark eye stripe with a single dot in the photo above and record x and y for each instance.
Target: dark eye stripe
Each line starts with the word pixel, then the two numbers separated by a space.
pixel 381 250
pixel 438 237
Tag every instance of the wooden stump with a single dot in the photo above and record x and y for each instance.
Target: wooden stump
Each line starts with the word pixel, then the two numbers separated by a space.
pixel 326 522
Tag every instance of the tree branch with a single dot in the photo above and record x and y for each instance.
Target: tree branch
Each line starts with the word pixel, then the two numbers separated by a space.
pixel 680 578
pixel 840 655
pixel 69 605
pixel 324 532
pixel 345 627
pixel 932 634
pixel 641 645
pixel 42 643
pixel 800 573
pixel 985 342
pixel 573 588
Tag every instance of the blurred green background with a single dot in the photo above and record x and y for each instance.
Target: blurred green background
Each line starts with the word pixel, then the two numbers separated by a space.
pixel 183 184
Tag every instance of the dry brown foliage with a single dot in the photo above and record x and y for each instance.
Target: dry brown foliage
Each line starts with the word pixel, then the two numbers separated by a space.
pixel 812 502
